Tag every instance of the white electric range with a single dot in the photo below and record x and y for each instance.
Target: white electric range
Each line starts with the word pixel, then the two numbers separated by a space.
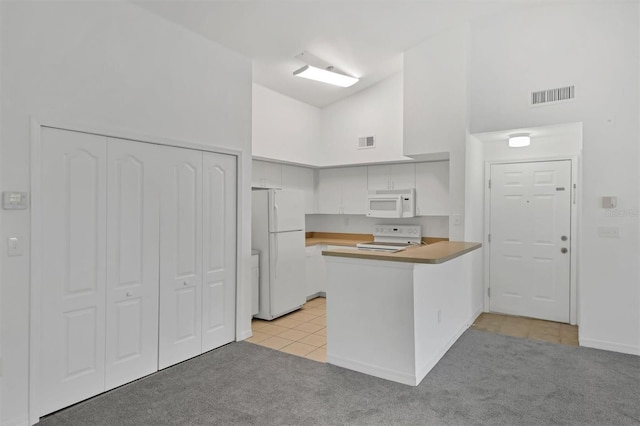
pixel 393 238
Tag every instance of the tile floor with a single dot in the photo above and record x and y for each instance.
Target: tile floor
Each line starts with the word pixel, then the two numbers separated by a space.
pixel 528 328
pixel 302 333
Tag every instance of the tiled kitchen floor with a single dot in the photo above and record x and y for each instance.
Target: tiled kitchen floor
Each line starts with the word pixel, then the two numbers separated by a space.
pixel 302 333
pixel 528 328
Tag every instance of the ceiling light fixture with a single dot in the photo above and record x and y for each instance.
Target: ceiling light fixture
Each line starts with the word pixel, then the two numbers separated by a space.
pixel 519 140
pixel 326 76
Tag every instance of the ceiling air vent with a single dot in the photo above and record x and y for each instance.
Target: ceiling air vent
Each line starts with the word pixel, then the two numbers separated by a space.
pixel 552 96
pixel 366 142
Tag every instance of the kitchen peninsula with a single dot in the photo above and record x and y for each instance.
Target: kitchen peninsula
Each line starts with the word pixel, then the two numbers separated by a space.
pixel 394 315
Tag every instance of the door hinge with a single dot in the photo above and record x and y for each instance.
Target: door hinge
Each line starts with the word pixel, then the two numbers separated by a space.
pixel 574 193
pixel 489 292
pixel 489 183
pixel 489 237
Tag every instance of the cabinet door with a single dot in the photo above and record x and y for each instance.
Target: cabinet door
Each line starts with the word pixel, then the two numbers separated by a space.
pixel 132 261
pixel 378 177
pixel 219 250
pixel 302 178
pixel 402 176
pixel 330 183
pixel 180 256
pixel 354 190
pixel 74 188
pixel 432 188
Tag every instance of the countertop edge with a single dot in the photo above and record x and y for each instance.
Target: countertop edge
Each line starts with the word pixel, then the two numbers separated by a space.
pixel 394 257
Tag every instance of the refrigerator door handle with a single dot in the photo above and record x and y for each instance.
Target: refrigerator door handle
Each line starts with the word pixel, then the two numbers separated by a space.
pixel 275 266
pixel 275 218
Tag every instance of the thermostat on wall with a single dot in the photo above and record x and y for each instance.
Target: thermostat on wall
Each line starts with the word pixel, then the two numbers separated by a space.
pixel 12 200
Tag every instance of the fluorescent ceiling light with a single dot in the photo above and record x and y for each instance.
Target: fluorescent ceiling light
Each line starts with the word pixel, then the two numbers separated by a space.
pixel 519 140
pixel 325 76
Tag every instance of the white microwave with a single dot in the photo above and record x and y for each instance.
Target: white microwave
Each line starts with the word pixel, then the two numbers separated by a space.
pixel 393 203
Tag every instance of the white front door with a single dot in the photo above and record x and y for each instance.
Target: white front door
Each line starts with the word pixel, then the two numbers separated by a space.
pixel 132 261
pixel 74 188
pixel 180 256
pixel 219 250
pixel 530 228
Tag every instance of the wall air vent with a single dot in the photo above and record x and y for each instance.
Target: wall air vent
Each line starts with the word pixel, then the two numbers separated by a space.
pixel 366 142
pixel 553 96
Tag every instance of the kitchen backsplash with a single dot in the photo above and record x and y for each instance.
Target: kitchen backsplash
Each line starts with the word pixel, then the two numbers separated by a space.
pixel 432 226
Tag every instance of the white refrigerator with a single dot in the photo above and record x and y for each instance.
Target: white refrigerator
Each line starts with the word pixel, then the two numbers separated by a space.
pixel 278 233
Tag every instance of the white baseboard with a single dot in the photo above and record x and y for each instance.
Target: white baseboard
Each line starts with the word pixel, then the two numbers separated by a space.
pixel 610 346
pixel 475 315
pixel 244 335
pixel 428 366
pixel 373 370
pixel 17 421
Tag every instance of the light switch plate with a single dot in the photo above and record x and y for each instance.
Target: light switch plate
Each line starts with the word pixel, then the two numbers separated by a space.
pixel 609 202
pixel 14 246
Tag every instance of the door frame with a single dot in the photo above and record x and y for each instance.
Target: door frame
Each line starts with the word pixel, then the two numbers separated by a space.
pixel 576 192
pixel 35 246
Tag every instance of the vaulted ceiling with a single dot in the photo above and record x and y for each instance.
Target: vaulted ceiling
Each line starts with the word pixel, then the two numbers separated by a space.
pixel 362 38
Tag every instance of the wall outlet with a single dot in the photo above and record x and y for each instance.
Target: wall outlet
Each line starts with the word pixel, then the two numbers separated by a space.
pixel 608 232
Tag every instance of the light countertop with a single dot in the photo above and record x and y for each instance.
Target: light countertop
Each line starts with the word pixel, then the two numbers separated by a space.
pixel 438 252
pixel 348 240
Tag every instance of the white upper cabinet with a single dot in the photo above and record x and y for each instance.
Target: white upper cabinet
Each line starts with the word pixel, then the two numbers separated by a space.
pixel 266 174
pixel 304 179
pixel 342 190
pixel 432 188
pixel 391 176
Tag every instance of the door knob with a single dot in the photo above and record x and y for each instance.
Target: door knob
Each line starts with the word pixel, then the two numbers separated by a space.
pixel 563 238
pixel 563 250
pixel 129 294
pixel 185 283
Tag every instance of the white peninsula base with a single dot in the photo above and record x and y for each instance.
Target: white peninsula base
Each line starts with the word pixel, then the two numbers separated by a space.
pixel 395 320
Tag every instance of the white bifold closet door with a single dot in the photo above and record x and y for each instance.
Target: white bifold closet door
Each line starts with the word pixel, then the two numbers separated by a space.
pixel 219 250
pixel 133 239
pixel 180 256
pixel 197 253
pixel 74 225
pixel 139 261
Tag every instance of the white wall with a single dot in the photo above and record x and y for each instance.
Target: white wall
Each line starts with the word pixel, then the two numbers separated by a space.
pixel 115 66
pixel 375 111
pixel 474 216
pixel 435 109
pixel 432 226
pixel 595 47
pixel 1 143
pixel 283 128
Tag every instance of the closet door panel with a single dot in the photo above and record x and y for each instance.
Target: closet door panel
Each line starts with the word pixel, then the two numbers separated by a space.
pixel 73 290
pixel 219 250
pixel 180 256
pixel 132 261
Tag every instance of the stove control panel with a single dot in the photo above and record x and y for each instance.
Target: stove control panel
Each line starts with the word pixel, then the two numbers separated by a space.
pixel 398 231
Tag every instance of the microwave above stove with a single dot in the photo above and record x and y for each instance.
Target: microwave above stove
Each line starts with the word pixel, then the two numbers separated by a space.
pixel 391 203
